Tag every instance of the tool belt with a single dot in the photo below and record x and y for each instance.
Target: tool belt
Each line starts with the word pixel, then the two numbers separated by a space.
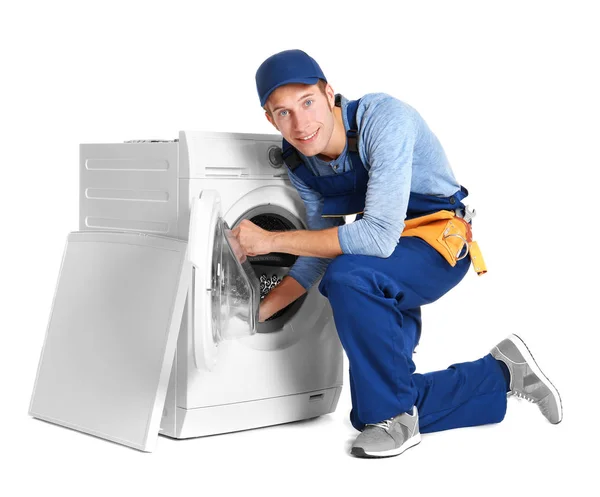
pixel 450 235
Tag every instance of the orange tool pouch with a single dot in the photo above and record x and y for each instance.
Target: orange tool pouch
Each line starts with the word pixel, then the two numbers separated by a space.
pixel 448 234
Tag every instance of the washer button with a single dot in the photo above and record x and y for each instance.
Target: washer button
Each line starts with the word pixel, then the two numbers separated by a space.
pixel 275 156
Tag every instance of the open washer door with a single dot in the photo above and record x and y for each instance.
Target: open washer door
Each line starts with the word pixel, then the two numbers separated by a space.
pixel 226 291
pixel 110 342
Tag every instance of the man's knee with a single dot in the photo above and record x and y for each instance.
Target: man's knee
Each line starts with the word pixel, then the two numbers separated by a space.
pixel 338 272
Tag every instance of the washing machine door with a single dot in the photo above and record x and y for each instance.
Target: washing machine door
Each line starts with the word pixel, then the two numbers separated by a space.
pixel 226 291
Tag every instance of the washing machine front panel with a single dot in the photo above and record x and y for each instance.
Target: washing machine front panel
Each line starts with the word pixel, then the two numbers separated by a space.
pixel 230 155
pixel 299 353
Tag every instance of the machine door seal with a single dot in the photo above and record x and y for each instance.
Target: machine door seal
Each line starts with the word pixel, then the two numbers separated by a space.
pixel 111 337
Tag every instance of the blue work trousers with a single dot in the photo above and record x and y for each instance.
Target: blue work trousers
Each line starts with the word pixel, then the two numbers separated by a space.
pixel 376 307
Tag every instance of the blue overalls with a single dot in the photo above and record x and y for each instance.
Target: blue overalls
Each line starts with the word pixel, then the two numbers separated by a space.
pixel 376 307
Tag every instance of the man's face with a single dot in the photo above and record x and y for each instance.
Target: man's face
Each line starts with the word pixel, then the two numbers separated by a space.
pixel 303 115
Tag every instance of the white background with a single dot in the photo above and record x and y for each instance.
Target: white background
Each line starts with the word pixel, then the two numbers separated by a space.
pixel 511 90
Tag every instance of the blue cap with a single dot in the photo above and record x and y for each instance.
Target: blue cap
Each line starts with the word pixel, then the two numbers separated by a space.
pixel 290 66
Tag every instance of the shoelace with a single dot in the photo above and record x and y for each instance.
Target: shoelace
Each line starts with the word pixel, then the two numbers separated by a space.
pixel 382 424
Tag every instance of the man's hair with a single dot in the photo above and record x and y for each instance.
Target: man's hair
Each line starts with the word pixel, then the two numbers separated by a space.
pixel 321 84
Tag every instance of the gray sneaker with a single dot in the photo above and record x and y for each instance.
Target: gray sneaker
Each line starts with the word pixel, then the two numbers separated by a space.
pixel 388 438
pixel 526 378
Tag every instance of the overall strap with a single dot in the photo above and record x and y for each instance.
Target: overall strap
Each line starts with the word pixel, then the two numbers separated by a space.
pixel 290 155
pixel 352 133
pixel 352 140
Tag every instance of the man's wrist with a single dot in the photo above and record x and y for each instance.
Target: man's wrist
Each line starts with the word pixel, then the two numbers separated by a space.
pixel 274 239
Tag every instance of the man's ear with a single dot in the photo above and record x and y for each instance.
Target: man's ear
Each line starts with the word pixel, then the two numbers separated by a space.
pixel 330 95
pixel 270 119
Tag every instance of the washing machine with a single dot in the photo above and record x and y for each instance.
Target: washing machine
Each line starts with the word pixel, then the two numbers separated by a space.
pixel 217 376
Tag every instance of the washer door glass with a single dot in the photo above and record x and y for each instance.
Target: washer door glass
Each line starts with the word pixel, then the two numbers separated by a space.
pixel 226 298
pixel 235 295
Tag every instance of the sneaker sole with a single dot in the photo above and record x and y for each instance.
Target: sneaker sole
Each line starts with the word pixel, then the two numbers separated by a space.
pixel 520 344
pixel 411 442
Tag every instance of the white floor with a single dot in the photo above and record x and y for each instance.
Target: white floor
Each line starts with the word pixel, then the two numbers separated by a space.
pixel 523 453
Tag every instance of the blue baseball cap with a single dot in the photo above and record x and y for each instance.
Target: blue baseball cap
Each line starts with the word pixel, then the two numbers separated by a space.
pixel 289 66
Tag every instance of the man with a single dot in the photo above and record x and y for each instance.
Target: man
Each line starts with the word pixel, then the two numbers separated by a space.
pixel 377 158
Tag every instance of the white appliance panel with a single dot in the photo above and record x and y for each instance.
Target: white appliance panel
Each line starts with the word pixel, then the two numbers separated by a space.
pixel 111 337
pixel 129 187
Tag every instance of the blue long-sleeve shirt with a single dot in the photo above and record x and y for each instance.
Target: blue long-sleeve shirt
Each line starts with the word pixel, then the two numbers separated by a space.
pixel 401 155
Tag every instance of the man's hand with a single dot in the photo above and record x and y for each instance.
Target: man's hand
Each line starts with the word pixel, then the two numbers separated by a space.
pixel 253 239
pixel 263 313
pixel 281 296
pixel 256 241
